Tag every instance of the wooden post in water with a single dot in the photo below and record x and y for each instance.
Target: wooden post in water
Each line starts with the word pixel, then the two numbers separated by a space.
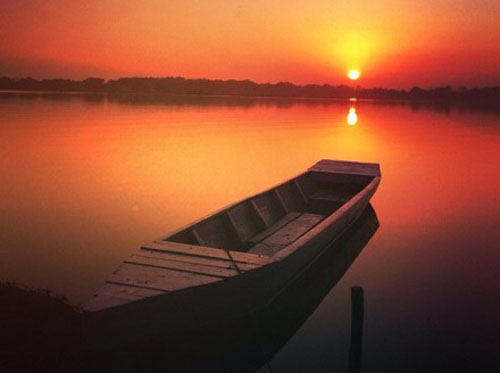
pixel 357 314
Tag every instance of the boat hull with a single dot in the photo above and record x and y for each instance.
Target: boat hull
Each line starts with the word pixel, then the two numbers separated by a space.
pixel 215 303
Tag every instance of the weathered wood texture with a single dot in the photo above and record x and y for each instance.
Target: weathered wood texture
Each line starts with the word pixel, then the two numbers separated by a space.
pixel 291 197
pixel 202 273
pixel 112 295
pixel 161 267
pixel 270 225
pixel 215 232
pixel 236 227
pixel 246 220
pixel 206 252
pixel 346 167
pixel 193 259
pixel 286 235
pixel 155 278
pixel 201 269
pixel 273 228
pixel 268 205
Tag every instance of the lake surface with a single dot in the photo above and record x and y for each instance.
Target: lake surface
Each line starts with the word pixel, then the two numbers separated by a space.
pixel 84 180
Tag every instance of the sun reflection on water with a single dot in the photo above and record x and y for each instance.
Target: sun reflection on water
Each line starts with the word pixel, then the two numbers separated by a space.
pixel 352 117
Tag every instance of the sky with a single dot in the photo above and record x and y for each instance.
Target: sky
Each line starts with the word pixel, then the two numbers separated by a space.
pixel 393 43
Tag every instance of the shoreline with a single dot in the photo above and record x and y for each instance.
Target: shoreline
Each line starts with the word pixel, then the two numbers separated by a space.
pixel 40 331
pixel 247 100
pixel 406 100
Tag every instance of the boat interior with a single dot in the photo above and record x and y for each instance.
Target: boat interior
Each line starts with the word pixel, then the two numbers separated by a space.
pixel 268 222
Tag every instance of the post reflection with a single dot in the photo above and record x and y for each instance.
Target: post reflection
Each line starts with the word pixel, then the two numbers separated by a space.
pixel 352 116
pixel 357 315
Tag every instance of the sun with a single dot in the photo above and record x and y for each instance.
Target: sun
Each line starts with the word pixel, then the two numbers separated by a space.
pixel 353 74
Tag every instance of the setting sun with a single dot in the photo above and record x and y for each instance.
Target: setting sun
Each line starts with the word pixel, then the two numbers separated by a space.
pixel 354 74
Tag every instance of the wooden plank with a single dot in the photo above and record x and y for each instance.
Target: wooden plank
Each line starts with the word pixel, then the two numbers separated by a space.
pixel 273 228
pixel 215 232
pixel 258 213
pixel 280 199
pixel 212 262
pixel 197 237
pixel 333 162
pixel 341 178
pixel 232 224
pixel 331 226
pixel 245 220
pixel 331 197
pixel 299 188
pixel 269 207
pixel 209 252
pixel 287 235
pixel 307 185
pixel 349 167
pixel 346 170
pixel 100 302
pixel 157 278
pixel 249 258
pixel 290 196
pixel 294 229
pixel 181 248
pixel 111 295
pixel 201 269
pixel 126 292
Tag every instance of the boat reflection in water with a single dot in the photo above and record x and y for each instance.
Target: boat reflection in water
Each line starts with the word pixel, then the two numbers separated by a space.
pixel 248 344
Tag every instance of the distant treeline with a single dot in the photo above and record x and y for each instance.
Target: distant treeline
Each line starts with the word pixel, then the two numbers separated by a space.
pixel 179 85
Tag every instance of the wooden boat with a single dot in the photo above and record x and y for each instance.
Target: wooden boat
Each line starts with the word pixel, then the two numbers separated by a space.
pixel 247 344
pixel 231 262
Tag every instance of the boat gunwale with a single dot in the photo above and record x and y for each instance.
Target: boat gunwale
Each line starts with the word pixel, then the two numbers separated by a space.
pixel 327 221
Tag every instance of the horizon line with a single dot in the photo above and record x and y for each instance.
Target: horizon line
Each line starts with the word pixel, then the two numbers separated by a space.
pixel 358 86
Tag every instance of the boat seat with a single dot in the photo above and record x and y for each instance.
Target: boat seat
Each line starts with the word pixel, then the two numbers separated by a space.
pixel 280 223
pixel 286 234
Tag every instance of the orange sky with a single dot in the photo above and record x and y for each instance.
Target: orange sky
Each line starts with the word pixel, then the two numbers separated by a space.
pixel 394 43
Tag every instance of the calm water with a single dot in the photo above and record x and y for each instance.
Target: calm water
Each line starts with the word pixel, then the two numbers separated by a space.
pixel 85 180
